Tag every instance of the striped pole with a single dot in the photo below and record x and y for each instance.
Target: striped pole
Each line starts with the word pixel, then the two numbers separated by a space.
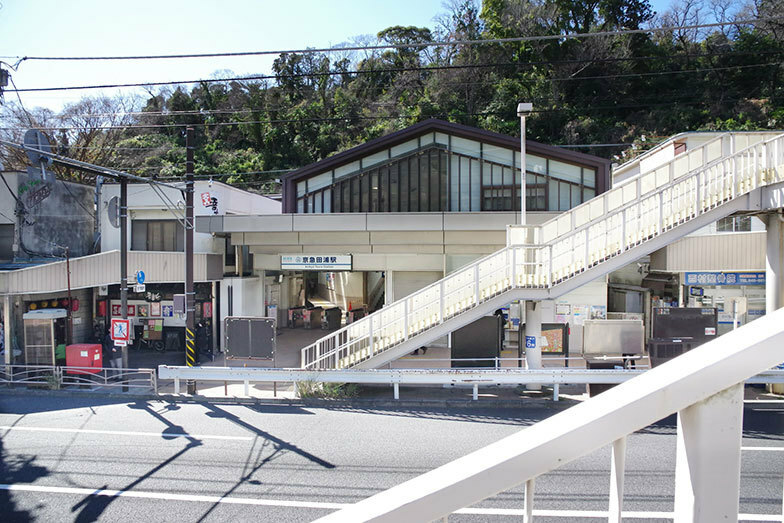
pixel 190 305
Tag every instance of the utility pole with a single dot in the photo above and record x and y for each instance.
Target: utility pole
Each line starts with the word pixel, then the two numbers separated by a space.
pixel 190 298
pixel 124 259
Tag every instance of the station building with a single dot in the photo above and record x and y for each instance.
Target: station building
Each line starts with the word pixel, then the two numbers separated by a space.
pixel 372 224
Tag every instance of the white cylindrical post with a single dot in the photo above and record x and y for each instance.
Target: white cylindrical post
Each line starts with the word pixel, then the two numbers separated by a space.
pixel 476 392
pixel 773 269
pixel 533 334
pixel 617 465
pixel 247 387
pixel 529 501
pixel 396 388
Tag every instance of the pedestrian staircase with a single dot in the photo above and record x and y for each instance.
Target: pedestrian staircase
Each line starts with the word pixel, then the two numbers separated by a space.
pixel 642 214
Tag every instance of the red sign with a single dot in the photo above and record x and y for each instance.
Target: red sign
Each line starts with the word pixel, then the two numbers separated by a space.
pixel 205 199
pixel 121 329
pixel 131 310
pixel 116 310
pixel 206 310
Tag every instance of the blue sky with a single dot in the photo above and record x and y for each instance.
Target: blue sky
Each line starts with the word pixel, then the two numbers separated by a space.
pixel 111 27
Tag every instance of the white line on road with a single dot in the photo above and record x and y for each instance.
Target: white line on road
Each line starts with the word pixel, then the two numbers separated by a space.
pixel 774 449
pixel 336 506
pixel 130 433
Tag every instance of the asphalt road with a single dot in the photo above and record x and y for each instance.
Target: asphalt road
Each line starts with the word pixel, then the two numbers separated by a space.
pixel 85 459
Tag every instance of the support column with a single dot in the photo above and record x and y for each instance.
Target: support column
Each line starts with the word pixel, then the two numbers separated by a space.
pixel 533 335
pixel 8 328
pixel 707 464
pixel 773 269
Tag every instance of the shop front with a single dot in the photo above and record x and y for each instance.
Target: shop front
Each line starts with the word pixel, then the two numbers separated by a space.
pixel 739 297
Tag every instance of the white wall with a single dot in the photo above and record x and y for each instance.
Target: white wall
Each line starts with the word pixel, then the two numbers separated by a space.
pixel 144 203
pixel 342 288
pixel 247 298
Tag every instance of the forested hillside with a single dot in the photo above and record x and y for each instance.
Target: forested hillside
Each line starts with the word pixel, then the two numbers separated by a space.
pixel 613 86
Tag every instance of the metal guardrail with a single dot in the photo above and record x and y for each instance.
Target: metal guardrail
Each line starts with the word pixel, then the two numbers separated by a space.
pixel 396 377
pixel 55 377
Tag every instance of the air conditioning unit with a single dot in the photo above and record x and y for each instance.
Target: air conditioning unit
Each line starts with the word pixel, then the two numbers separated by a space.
pixel 661 350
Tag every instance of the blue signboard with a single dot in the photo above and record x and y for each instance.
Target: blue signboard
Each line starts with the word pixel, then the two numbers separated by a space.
pixel 140 277
pixel 168 311
pixel 530 342
pixel 725 278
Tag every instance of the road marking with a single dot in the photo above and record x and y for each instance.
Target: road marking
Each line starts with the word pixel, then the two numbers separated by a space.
pixel 336 506
pixel 773 449
pixel 130 433
pixel 764 401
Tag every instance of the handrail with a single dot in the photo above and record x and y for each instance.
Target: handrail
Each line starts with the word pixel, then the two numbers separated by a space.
pixel 703 386
pixel 692 192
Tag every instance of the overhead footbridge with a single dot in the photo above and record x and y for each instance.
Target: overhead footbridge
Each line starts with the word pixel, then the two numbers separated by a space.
pixel 664 201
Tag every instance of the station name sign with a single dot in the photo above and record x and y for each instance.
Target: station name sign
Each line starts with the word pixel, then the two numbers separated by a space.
pixel 725 278
pixel 316 262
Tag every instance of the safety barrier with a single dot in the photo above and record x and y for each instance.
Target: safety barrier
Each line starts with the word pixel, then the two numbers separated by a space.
pixel 56 377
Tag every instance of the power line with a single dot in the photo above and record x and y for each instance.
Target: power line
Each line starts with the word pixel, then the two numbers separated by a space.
pixel 420 45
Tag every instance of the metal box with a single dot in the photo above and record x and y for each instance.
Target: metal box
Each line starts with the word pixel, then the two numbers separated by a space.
pixel 478 343
pixel 613 338
pixel 332 318
pixel 665 349
pixel 250 337
pixel 87 355
pixel 312 318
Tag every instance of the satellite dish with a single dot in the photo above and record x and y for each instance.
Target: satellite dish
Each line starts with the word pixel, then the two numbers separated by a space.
pixel 113 210
pixel 37 140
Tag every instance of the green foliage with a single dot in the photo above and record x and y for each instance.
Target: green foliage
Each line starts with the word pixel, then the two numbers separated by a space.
pixel 599 90
pixel 315 389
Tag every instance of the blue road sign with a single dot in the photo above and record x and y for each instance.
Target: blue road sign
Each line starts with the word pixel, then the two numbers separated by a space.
pixel 530 342
pixel 140 277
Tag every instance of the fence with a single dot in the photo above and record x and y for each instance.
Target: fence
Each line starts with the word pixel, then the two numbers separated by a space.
pixel 56 377
pixel 396 377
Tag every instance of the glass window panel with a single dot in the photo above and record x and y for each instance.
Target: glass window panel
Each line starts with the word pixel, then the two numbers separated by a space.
pixel 383 189
pixel 476 190
pixel 436 189
pixel 497 154
pixel 318 207
pixel 301 188
pixel 345 170
pixel 576 196
pixel 442 138
pixel 300 205
pixel 375 159
pixel 394 192
pixel 443 159
pixel 564 198
pixel 405 147
pixel 138 235
pixel 346 207
pixel 327 200
pixel 364 195
pixel 552 200
pixel 466 147
pixel 426 139
pixel 336 199
pixel 535 164
pixel 424 182
pixel 588 194
pixel 374 191
pixel 454 165
pixel 507 178
pixel 355 195
pixel 465 184
pixel 589 177
pixel 413 184
pixel 404 186
pixel 320 181
pixel 565 171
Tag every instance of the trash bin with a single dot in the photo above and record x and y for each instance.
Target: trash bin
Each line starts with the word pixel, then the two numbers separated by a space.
pixel 331 319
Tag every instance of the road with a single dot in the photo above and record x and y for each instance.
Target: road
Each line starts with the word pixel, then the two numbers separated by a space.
pixel 87 459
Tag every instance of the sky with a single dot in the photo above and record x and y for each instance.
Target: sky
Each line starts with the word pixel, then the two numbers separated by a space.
pixel 146 27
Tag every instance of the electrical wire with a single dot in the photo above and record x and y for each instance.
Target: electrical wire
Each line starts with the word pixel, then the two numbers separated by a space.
pixel 419 45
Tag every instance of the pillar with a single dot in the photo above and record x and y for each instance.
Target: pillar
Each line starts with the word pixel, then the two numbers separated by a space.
pixel 773 264
pixel 707 463
pixel 532 340
pixel 8 328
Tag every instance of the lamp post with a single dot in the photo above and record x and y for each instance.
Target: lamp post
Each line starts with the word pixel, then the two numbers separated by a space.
pixel 533 312
pixel 523 110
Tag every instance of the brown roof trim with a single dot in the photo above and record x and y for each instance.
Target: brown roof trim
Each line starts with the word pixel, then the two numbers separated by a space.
pixel 434 125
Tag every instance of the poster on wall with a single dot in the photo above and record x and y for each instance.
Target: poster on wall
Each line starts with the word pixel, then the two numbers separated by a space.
pixel 116 310
pixel 131 310
pixel 598 312
pixel 168 311
pixel 579 312
pixel 155 309
pixel 206 309
pixel 143 311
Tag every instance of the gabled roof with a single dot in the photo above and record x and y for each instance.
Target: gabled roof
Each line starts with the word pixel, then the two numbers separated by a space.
pixel 432 125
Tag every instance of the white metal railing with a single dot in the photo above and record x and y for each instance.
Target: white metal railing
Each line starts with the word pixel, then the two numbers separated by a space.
pixel 654 202
pixel 396 377
pixel 57 377
pixel 704 386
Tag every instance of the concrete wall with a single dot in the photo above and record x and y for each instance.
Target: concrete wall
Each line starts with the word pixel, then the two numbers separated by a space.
pixel 247 299
pixel 400 284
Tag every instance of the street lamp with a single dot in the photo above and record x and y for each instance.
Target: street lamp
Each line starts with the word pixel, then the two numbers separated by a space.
pixel 523 110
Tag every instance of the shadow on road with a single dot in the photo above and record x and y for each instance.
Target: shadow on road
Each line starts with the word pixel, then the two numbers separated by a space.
pixel 16 470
